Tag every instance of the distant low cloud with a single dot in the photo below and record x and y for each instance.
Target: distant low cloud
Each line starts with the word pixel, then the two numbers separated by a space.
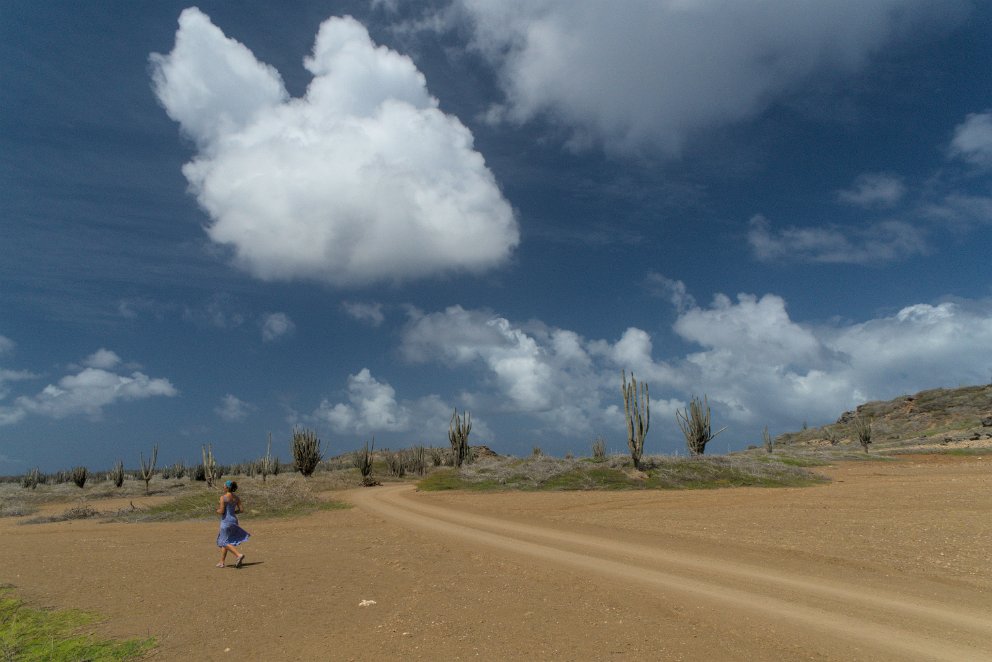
pixel 553 375
pixel 874 190
pixel 276 325
pixel 372 406
pixel 760 365
pixel 233 409
pixel 88 391
pixel 8 377
pixel 756 365
pixel 337 185
pixel 636 75
pixel 884 241
pixel 973 139
pixel 370 313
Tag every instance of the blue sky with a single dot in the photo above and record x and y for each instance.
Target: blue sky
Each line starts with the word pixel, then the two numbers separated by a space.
pixel 224 221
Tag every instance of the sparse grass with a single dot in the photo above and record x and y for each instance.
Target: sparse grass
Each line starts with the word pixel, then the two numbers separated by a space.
pixel 76 512
pixel 616 473
pixel 285 498
pixel 31 634
pixel 11 508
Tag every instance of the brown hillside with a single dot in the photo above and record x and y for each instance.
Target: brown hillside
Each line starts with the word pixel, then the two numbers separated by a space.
pixel 941 417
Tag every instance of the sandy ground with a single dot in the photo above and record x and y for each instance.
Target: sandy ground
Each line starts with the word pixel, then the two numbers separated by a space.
pixel 890 561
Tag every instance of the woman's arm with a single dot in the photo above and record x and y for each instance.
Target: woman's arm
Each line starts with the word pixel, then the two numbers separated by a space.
pixel 220 507
pixel 237 504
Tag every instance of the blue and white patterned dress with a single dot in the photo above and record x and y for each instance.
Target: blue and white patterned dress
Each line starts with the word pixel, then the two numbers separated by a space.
pixel 230 533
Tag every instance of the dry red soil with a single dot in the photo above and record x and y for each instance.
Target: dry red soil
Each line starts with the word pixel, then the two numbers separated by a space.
pixel 889 561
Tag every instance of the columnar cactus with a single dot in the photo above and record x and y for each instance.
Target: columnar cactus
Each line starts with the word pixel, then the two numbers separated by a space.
pixel 637 410
pixel 148 468
pixel 458 431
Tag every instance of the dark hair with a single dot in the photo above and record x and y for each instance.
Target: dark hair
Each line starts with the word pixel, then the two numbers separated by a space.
pixel 231 485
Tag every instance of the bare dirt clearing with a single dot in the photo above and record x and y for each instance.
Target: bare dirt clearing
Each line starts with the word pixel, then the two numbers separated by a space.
pixel 889 561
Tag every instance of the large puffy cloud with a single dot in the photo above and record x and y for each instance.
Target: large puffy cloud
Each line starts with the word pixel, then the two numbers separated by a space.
pixel 338 185
pixel 756 365
pixel 630 73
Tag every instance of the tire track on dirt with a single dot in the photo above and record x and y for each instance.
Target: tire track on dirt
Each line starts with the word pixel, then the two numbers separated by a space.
pixel 895 624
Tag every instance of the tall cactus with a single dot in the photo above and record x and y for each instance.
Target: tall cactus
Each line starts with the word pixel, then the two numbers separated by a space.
pixel 209 465
pixel 363 460
pixel 148 468
pixel 265 464
pixel 458 431
pixel 637 410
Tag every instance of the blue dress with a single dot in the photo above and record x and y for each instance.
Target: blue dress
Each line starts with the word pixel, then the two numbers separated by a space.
pixel 230 533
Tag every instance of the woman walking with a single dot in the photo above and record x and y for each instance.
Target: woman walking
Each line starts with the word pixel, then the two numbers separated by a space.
pixel 230 535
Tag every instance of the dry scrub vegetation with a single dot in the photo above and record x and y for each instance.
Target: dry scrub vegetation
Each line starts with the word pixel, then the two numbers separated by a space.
pixel 542 472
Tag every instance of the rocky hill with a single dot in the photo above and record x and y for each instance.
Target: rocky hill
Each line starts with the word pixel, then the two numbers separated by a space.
pixel 942 417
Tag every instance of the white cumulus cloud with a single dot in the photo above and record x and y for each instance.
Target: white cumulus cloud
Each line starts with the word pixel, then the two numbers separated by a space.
pixel 362 179
pixel 371 406
pixel 90 390
pixel 643 72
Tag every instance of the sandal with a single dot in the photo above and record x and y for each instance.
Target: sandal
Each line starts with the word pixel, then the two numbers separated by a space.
pixel 241 559
pixel 220 565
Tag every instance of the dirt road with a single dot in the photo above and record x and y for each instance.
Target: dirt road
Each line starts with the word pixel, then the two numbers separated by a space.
pixel 888 562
